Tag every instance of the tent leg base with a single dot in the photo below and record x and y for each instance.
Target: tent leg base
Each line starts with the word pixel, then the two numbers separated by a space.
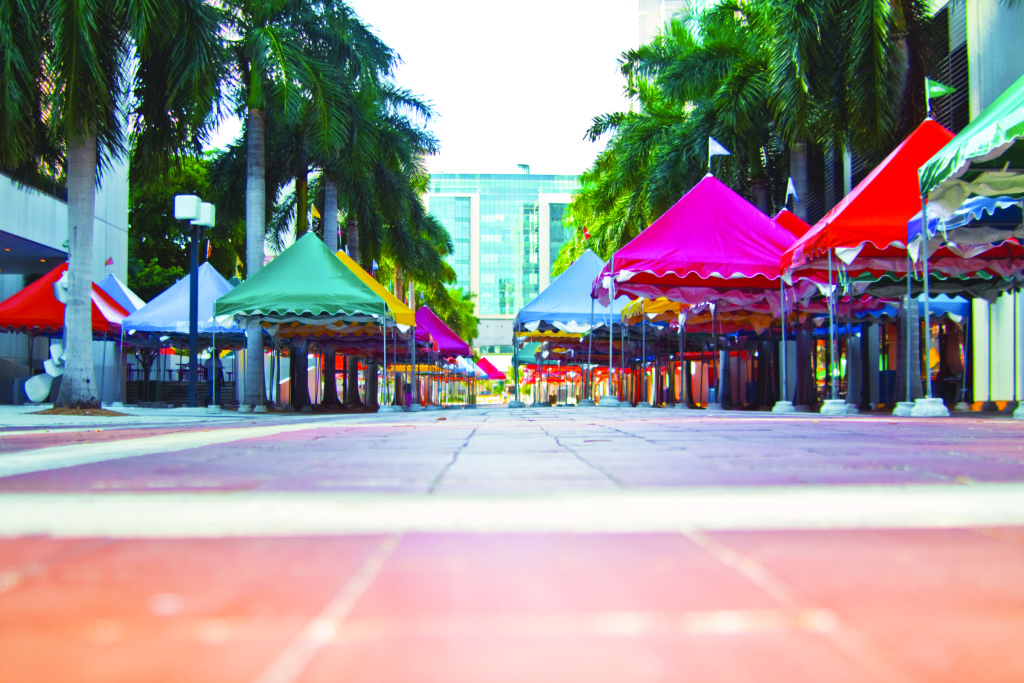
pixel 903 409
pixel 245 408
pixel 586 403
pixel 516 404
pixel 929 407
pixel 783 407
pixel 389 409
pixel 834 407
pixel 609 402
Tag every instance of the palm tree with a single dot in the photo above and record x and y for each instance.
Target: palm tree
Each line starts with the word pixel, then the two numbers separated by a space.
pixel 69 69
pixel 273 68
pixel 847 74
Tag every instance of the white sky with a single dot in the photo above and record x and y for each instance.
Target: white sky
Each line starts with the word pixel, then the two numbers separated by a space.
pixel 511 82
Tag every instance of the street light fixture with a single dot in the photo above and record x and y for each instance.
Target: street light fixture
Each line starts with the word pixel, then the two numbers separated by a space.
pixel 189 207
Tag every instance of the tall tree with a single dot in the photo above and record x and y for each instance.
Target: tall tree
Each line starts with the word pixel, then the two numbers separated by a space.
pixel 273 69
pixel 72 70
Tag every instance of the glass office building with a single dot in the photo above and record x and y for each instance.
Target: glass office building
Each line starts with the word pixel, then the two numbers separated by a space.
pixel 508 230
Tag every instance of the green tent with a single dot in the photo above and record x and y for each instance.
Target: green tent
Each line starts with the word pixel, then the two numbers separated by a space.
pixel 984 159
pixel 306 283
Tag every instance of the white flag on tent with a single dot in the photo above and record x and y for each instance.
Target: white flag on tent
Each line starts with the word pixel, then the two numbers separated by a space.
pixel 791 191
pixel 715 148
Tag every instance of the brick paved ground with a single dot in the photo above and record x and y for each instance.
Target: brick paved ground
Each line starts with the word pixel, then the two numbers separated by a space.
pixel 493 545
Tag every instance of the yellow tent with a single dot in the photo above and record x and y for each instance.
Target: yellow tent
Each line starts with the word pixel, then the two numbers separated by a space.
pixel 660 310
pixel 403 314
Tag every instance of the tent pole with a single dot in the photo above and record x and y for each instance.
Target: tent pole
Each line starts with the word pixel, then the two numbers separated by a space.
pixel 927 318
pixel 590 351
pixel 213 365
pixel 782 292
pixel 907 316
pixel 120 360
pixel 832 360
pixel 611 327
pixel 384 333
pixel 643 351
pixel 103 368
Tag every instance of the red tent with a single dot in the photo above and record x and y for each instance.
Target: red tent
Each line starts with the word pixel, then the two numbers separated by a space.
pixel 448 343
pixel 711 245
pixel 492 372
pixel 875 213
pixel 34 309
pixel 790 221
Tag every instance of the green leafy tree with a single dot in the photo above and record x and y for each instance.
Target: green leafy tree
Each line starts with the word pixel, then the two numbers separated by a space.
pixel 158 244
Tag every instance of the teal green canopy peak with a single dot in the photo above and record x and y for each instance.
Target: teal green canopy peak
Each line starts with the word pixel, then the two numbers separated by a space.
pixel 306 281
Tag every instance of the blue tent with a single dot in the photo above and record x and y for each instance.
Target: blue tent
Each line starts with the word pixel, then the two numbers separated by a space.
pixel 566 304
pixel 120 293
pixel 956 307
pixel 979 220
pixel 168 313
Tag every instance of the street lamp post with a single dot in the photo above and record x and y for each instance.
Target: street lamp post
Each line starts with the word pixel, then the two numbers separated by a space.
pixel 200 214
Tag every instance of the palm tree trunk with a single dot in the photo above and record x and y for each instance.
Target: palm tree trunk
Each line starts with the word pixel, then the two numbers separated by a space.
pixel 76 388
pixel 302 203
pixel 255 237
pixel 330 220
pixel 352 382
pixel 299 373
pixel 330 392
pixel 352 243
pixel 759 189
pixel 798 172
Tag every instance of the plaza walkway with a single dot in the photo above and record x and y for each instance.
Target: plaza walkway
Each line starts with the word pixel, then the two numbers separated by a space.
pixel 557 544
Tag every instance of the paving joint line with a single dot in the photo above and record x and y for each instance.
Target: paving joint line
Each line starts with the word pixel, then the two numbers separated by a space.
pixel 586 462
pixel 432 489
pixel 852 643
pixel 291 663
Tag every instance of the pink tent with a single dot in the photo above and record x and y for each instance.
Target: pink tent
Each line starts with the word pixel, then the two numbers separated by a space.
pixel 492 372
pixel 448 343
pixel 712 246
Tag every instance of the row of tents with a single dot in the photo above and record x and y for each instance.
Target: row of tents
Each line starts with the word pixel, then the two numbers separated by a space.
pixel 712 286
pixel 306 294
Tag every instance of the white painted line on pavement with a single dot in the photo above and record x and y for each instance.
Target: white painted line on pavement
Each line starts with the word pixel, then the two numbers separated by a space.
pixel 177 515
pixel 56 457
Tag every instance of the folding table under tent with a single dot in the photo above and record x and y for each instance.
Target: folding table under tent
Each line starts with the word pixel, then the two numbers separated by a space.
pixel 711 247
pixel 36 312
pixel 307 292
